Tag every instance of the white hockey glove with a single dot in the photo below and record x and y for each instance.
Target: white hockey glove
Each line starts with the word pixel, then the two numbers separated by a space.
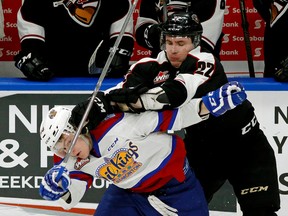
pixel 52 190
pixel 225 98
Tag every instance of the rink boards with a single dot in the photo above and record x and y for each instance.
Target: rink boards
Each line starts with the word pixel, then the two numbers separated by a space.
pixel 23 161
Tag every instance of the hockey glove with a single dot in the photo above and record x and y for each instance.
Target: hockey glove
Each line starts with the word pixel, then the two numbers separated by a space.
pixel 152 37
pixel 33 67
pixel 120 62
pixel 281 75
pixel 99 110
pixel 52 190
pixel 225 98
pixel 124 97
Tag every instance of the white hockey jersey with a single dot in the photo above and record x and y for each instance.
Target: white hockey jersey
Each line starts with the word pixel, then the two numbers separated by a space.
pixel 134 151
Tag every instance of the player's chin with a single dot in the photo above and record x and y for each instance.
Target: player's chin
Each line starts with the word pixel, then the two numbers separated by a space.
pixel 83 155
pixel 176 64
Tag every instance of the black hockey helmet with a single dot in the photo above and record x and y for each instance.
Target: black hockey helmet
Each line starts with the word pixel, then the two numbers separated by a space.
pixel 183 24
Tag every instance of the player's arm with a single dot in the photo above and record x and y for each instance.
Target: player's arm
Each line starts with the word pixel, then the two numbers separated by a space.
pixel 68 191
pixel 172 93
pixel 215 102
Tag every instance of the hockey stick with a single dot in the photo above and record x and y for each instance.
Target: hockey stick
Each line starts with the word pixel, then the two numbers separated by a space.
pixel 165 13
pixel 245 26
pixel 97 87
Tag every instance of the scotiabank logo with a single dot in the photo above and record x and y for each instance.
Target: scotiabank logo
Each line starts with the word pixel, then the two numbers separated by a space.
pixel 226 38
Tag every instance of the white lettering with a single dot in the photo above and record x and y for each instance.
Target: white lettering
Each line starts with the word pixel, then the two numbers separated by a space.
pixel 7 11
pixel 44 151
pixel 31 126
pixel 248 10
pixel 4 180
pixel 234 24
pixel 144 52
pixel 15 181
pixel 229 52
pixel 11 25
pixel 6 39
pixel 11 52
pixel 103 183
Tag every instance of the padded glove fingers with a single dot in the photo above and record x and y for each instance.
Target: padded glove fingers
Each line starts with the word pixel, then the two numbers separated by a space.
pixel 225 98
pixel 52 190
pixel 33 67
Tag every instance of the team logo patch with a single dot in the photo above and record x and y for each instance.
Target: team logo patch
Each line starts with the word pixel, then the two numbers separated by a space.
pixel 80 163
pixel 161 77
pixel 83 12
pixel 120 165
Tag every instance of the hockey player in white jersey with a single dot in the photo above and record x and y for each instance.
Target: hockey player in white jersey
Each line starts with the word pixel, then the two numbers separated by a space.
pixel 146 165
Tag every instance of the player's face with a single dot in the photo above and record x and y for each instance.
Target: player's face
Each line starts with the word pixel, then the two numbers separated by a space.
pixel 177 49
pixel 81 148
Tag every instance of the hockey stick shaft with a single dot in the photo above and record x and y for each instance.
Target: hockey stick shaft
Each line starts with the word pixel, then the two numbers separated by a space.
pixel 165 13
pixel 97 88
pixel 245 26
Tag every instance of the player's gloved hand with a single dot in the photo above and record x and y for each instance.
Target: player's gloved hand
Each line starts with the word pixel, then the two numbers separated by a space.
pixel 281 75
pixel 120 62
pixel 33 67
pixel 225 98
pixel 127 95
pixel 124 97
pixel 52 190
pixel 152 36
pixel 99 110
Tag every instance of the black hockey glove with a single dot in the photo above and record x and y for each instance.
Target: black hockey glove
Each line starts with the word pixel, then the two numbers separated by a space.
pixel 99 110
pixel 33 67
pixel 152 37
pixel 120 62
pixel 128 96
pixel 281 75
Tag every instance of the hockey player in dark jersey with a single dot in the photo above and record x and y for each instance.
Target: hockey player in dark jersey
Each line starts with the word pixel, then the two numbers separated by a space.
pixel 275 14
pixel 152 12
pixel 58 37
pixel 184 70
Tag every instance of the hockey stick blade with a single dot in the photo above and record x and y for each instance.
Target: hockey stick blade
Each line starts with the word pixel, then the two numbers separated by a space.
pixel 92 69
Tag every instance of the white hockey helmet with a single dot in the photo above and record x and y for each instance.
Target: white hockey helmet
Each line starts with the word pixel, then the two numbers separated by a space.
pixel 54 124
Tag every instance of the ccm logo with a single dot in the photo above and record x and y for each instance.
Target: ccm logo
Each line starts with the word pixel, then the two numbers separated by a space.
pixel 254 190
